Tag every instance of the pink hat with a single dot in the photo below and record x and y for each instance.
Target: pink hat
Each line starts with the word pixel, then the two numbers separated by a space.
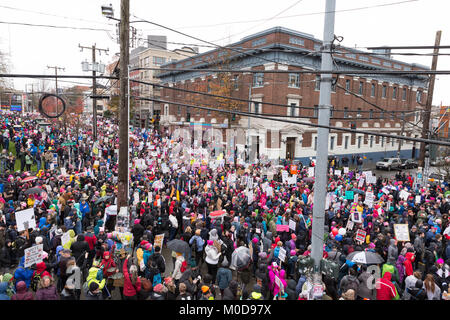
pixel 440 261
pixel 210 242
pixel 137 221
pixel 255 240
pixel 293 252
pixel 371 245
pixel 293 236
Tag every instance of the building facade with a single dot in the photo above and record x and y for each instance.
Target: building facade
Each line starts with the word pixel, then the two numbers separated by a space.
pixel 354 98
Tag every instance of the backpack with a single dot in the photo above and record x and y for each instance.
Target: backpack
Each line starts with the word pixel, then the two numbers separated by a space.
pixel 183 266
pixel 156 279
pixel 35 281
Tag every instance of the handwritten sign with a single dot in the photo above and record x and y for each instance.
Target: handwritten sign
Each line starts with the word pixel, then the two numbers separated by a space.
pixel 282 227
pixel 33 255
pixel 282 254
pixel 25 219
pixel 159 238
pixel 311 172
pixel 360 235
pixel 292 224
pixel 401 232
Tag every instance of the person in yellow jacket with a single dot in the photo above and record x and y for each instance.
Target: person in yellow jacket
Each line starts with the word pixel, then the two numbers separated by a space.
pixel 73 238
pixel 96 275
pixel 103 191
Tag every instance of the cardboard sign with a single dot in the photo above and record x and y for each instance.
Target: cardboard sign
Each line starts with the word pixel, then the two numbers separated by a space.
pixel 404 195
pixel 292 224
pixel 33 255
pixel 360 235
pixel 293 169
pixel 369 199
pixel 337 173
pixel 360 183
pixel 159 239
pixel 285 176
pixel 25 219
pixel 349 195
pixel 356 217
pixel 350 225
pixel 418 199
pixel 282 254
pixel 345 170
pixel 250 197
pixel 282 227
pixel 401 232
pixel 65 238
pixel 311 172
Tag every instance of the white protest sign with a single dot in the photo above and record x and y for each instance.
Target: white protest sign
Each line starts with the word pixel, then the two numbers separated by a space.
pixel 269 192
pixel 292 224
pixel 360 183
pixel 33 255
pixel 284 175
pixel 369 199
pixel 250 197
pixel 401 232
pixel 385 190
pixel 356 198
pixel 371 180
pixel 63 171
pixel 345 169
pixel 25 219
pixel 311 172
pixel 65 238
pixel 292 180
pixel 404 195
pixel 360 235
pixel 282 254
pixel 418 199
pixel 337 173
pixel 350 225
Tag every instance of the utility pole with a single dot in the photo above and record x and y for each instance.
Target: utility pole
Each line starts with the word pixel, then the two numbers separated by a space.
pixel 56 90
pixel 427 114
pixel 122 197
pixel 320 183
pixel 94 86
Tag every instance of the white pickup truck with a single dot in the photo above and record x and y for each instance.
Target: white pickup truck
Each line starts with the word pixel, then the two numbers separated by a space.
pixel 389 164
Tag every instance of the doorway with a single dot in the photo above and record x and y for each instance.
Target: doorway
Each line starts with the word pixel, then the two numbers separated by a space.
pixel 290 148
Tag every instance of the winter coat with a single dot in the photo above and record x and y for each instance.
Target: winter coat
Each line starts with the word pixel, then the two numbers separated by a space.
pixel 392 252
pixel 401 268
pixel 92 276
pixel 224 276
pixel 176 274
pixel 385 288
pixel 23 274
pixel 267 241
pixel 230 293
pixel 349 282
pixel 408 263
pixel 3 288
pixel 130 290
pixel 212 255
pixel 48 293
pixel 290 290
pixel 363 290
pixel 22 292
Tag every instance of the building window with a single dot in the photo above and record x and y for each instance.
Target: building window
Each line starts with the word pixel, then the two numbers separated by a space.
pixel 371 114
pixel 346 138
pixel 383 93
pixel 358 113
pixel 236 82
pixel 376 61
pixel 179 110
pixel 331 143
pixel 331 111
pixel 208 85
pixel 294 80
pixel 381 114
pixel 361 88
pixel 372 90
pixel 347 84
pixel 293 110
pixel 315 143
pixel 359 142
pixel 333 84
pixel 258 79
pixel 393 141
pixel 387 64
pixel 404 94
pixel 394 93
pixel 371 141
pixel 316 111
pixel 392 115
pixel 259 42
pixel 419 96
pixel 298 41
pixel 345 112
pixel 317 87
pixel 382 141
pixel 256 107
pixel 159 60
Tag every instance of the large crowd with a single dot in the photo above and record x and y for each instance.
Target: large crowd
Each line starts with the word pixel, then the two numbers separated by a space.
pixel 206 230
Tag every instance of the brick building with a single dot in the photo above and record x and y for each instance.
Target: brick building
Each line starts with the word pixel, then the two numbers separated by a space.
pixel 284 49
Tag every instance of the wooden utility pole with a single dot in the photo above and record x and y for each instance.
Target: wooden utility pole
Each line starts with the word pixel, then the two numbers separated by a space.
pixel 427 112
pixel 122 197
pixel 56 91
pixel 94 87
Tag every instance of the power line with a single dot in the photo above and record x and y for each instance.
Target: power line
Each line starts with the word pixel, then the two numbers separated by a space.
pixel 52 26
pixel 246 100
pixel 254 115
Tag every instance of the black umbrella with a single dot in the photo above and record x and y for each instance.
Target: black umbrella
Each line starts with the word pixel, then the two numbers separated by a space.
pixel 178 245
pixel 34 191
pixel 103 199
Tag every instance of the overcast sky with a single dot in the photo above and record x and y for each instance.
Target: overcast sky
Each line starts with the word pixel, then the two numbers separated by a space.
pixel 31 49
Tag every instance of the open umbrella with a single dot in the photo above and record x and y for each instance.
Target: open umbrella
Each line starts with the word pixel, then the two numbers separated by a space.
pixel 178 245
pixel 27 179
pixel 218 213
pixel 158 184
pixel 240 258
pixel 365 257
pixel 103 199
pixel 308 179
pixel 34 191
pixel 358 191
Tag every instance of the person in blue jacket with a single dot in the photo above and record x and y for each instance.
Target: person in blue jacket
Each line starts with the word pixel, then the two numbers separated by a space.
pixel 3 287
pixel 23 274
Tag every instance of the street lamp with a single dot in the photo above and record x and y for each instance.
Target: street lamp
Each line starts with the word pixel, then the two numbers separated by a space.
pixel 108 11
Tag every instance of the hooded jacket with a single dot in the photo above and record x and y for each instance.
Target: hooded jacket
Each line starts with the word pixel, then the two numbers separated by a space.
pixel 47 293
pixel 363 290
pixel 212 255
pixel 22 292
pixel 92 276
pixel 79 248
pixel 267 241
pixel 130 290
pixel 290 290
pixel 73 238
pixel 392 252
pixel 408 263
pixel 3 288
pixel 23 273
pixel 224 276
pixel 386 289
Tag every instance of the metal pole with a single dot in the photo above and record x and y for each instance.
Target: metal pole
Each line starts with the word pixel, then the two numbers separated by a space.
pixel 427 113
pixel 248 125
pixel 320 184
pixel 94 92
pixel 122 197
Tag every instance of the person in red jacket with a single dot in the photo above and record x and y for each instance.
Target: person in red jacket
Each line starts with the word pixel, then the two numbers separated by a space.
pixel 385 288
pixel 409 259
pixel 41 269
pixel 132 283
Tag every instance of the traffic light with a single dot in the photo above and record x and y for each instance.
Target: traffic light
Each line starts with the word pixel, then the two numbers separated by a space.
pixel 353 125
pixel 427 150
pixel 233 117
pixel 137 120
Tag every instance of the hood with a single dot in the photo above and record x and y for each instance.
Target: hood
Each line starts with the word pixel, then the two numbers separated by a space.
pixel 106 253
pixel 80 238
pixel 392 242
pixel 269 235
pixel 409 256
pixel 40 267
pixel 291 284
pixel 387 276
pixel 3 287
pixel 93 273
pixel 21 287
pixel 7 277
pixel 72 233
pixel 42 221
pixel 58 249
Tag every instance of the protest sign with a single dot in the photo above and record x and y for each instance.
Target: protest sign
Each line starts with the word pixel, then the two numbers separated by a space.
pixel 345 169
pixel 159 238
pixel 360 183
pixel 404 195
pixel 337 173
pixel 282 254
pixel 360 235
pixel 284 175
pixel 65 238
pixel 350 225
pixel 33 255
pixel 25 219
pixel 269 192
pixel 292 224
pixel 311 172
pixel 349 195
pixel 282 227
pixel 418 199
pixel 293 169
pixel 401 232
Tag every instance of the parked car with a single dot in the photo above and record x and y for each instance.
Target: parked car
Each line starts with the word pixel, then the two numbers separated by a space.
pixel 436 178
pixel 408 164
pixel 389 164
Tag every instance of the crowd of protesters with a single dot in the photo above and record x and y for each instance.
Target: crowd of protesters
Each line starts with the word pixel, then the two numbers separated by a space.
pixel 258 249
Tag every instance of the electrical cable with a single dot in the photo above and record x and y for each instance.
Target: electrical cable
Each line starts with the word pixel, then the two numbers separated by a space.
pixel 53 26
pixel 254 115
